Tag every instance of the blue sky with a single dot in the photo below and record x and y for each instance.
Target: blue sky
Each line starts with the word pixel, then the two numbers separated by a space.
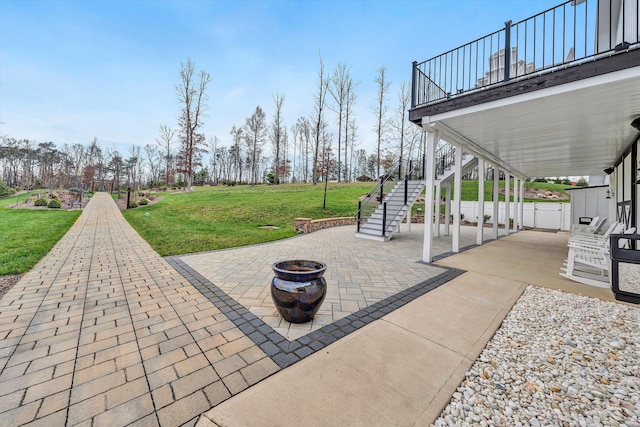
pixel 74 70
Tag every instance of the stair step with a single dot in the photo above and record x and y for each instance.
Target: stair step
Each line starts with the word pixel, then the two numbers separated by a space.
pixel 396 211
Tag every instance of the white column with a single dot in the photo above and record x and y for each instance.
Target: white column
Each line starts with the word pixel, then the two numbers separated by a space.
pixel 430 155
pixel 521 219
pixel 516 193
pixel 457 193
pixel 496 201
pixel 436 227
pixel 480 231
pixel 507 201
pixel 447 209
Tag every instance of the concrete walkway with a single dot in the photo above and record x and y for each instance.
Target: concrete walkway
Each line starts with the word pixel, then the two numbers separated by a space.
pixel 103 331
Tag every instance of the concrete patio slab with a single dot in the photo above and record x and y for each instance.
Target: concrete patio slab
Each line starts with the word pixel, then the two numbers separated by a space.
pixel 532 256
pixel 353 382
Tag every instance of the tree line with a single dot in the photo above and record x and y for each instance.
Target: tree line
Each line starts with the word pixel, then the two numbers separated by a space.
pixel 325 144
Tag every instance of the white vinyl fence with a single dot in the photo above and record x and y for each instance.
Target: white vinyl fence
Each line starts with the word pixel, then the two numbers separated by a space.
pixel 552 216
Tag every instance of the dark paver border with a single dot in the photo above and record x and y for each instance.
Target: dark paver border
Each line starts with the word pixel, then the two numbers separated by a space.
pixel 285 352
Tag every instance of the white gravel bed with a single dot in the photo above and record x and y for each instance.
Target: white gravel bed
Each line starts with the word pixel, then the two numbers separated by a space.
pixel 558 359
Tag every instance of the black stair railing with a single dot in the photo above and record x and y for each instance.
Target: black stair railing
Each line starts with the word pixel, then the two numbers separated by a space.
pixel 384 218
pixel 414 169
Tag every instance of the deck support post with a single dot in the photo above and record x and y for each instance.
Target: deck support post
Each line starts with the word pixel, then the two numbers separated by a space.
pixel 496 201
pixel 480 231
pixel 430 156
pixel 457 193
pixel 436 227
pixel 516 205
pixel 447 209
pixel 507 201
pixel 521 219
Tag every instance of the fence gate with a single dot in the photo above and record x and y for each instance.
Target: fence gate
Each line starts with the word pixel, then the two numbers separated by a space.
pixel 548 215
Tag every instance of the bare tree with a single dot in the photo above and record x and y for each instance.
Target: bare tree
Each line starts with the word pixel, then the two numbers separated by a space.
pixel 399 122
pixel 235 152
pixel 352 132
pixel 349 122
pixel 255 130
pixel 154 157
pixel 134 166
pixel 318 116
pixel 164 141
pixel 380 111
pixel 338 91
pixel 193 97
pixel 304 138
pixel 277 134
pixel 213 145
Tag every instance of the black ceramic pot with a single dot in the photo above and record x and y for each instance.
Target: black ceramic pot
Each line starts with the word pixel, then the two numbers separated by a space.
pixel 298 289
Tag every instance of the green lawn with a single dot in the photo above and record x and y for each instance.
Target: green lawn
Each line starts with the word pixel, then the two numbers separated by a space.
pixel 11 200
pixel 222 217
pixel 27 235
pixel 207 219
pixel 470 190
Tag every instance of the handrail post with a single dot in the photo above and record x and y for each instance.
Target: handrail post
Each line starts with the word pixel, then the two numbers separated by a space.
pixel 406 188
pixel 359 213
pixel 424 165
pixel 384 218
pixel 507 50
pixel 381 189
pixel 414 75
pixel 410 169
pixel 400 169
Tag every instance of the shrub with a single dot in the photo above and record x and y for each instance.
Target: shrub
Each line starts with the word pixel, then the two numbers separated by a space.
pixel 40 202
pixel 133 204
pixel 566 181
pixel 539 180
pixel 54 204
pixel 143 202
pixel 5 190
pixel 582 182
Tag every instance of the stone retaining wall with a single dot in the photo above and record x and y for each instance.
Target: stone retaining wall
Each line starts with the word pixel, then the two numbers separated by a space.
pixel 307 225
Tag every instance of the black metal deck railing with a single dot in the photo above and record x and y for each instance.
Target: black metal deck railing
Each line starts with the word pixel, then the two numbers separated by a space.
pixel 574 31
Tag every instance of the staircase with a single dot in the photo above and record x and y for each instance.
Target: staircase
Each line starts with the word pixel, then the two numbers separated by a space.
pixel 391 212
pixel 393 208
pixel 447 175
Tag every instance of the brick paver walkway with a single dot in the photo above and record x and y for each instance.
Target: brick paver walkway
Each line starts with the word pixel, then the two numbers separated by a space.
pixel 104 332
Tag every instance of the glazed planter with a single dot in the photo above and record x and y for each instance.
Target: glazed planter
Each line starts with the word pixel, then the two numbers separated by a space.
pixel 298 289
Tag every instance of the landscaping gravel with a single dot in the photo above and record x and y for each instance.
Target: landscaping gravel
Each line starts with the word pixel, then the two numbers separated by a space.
pixel 557 360
pixel 7 282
